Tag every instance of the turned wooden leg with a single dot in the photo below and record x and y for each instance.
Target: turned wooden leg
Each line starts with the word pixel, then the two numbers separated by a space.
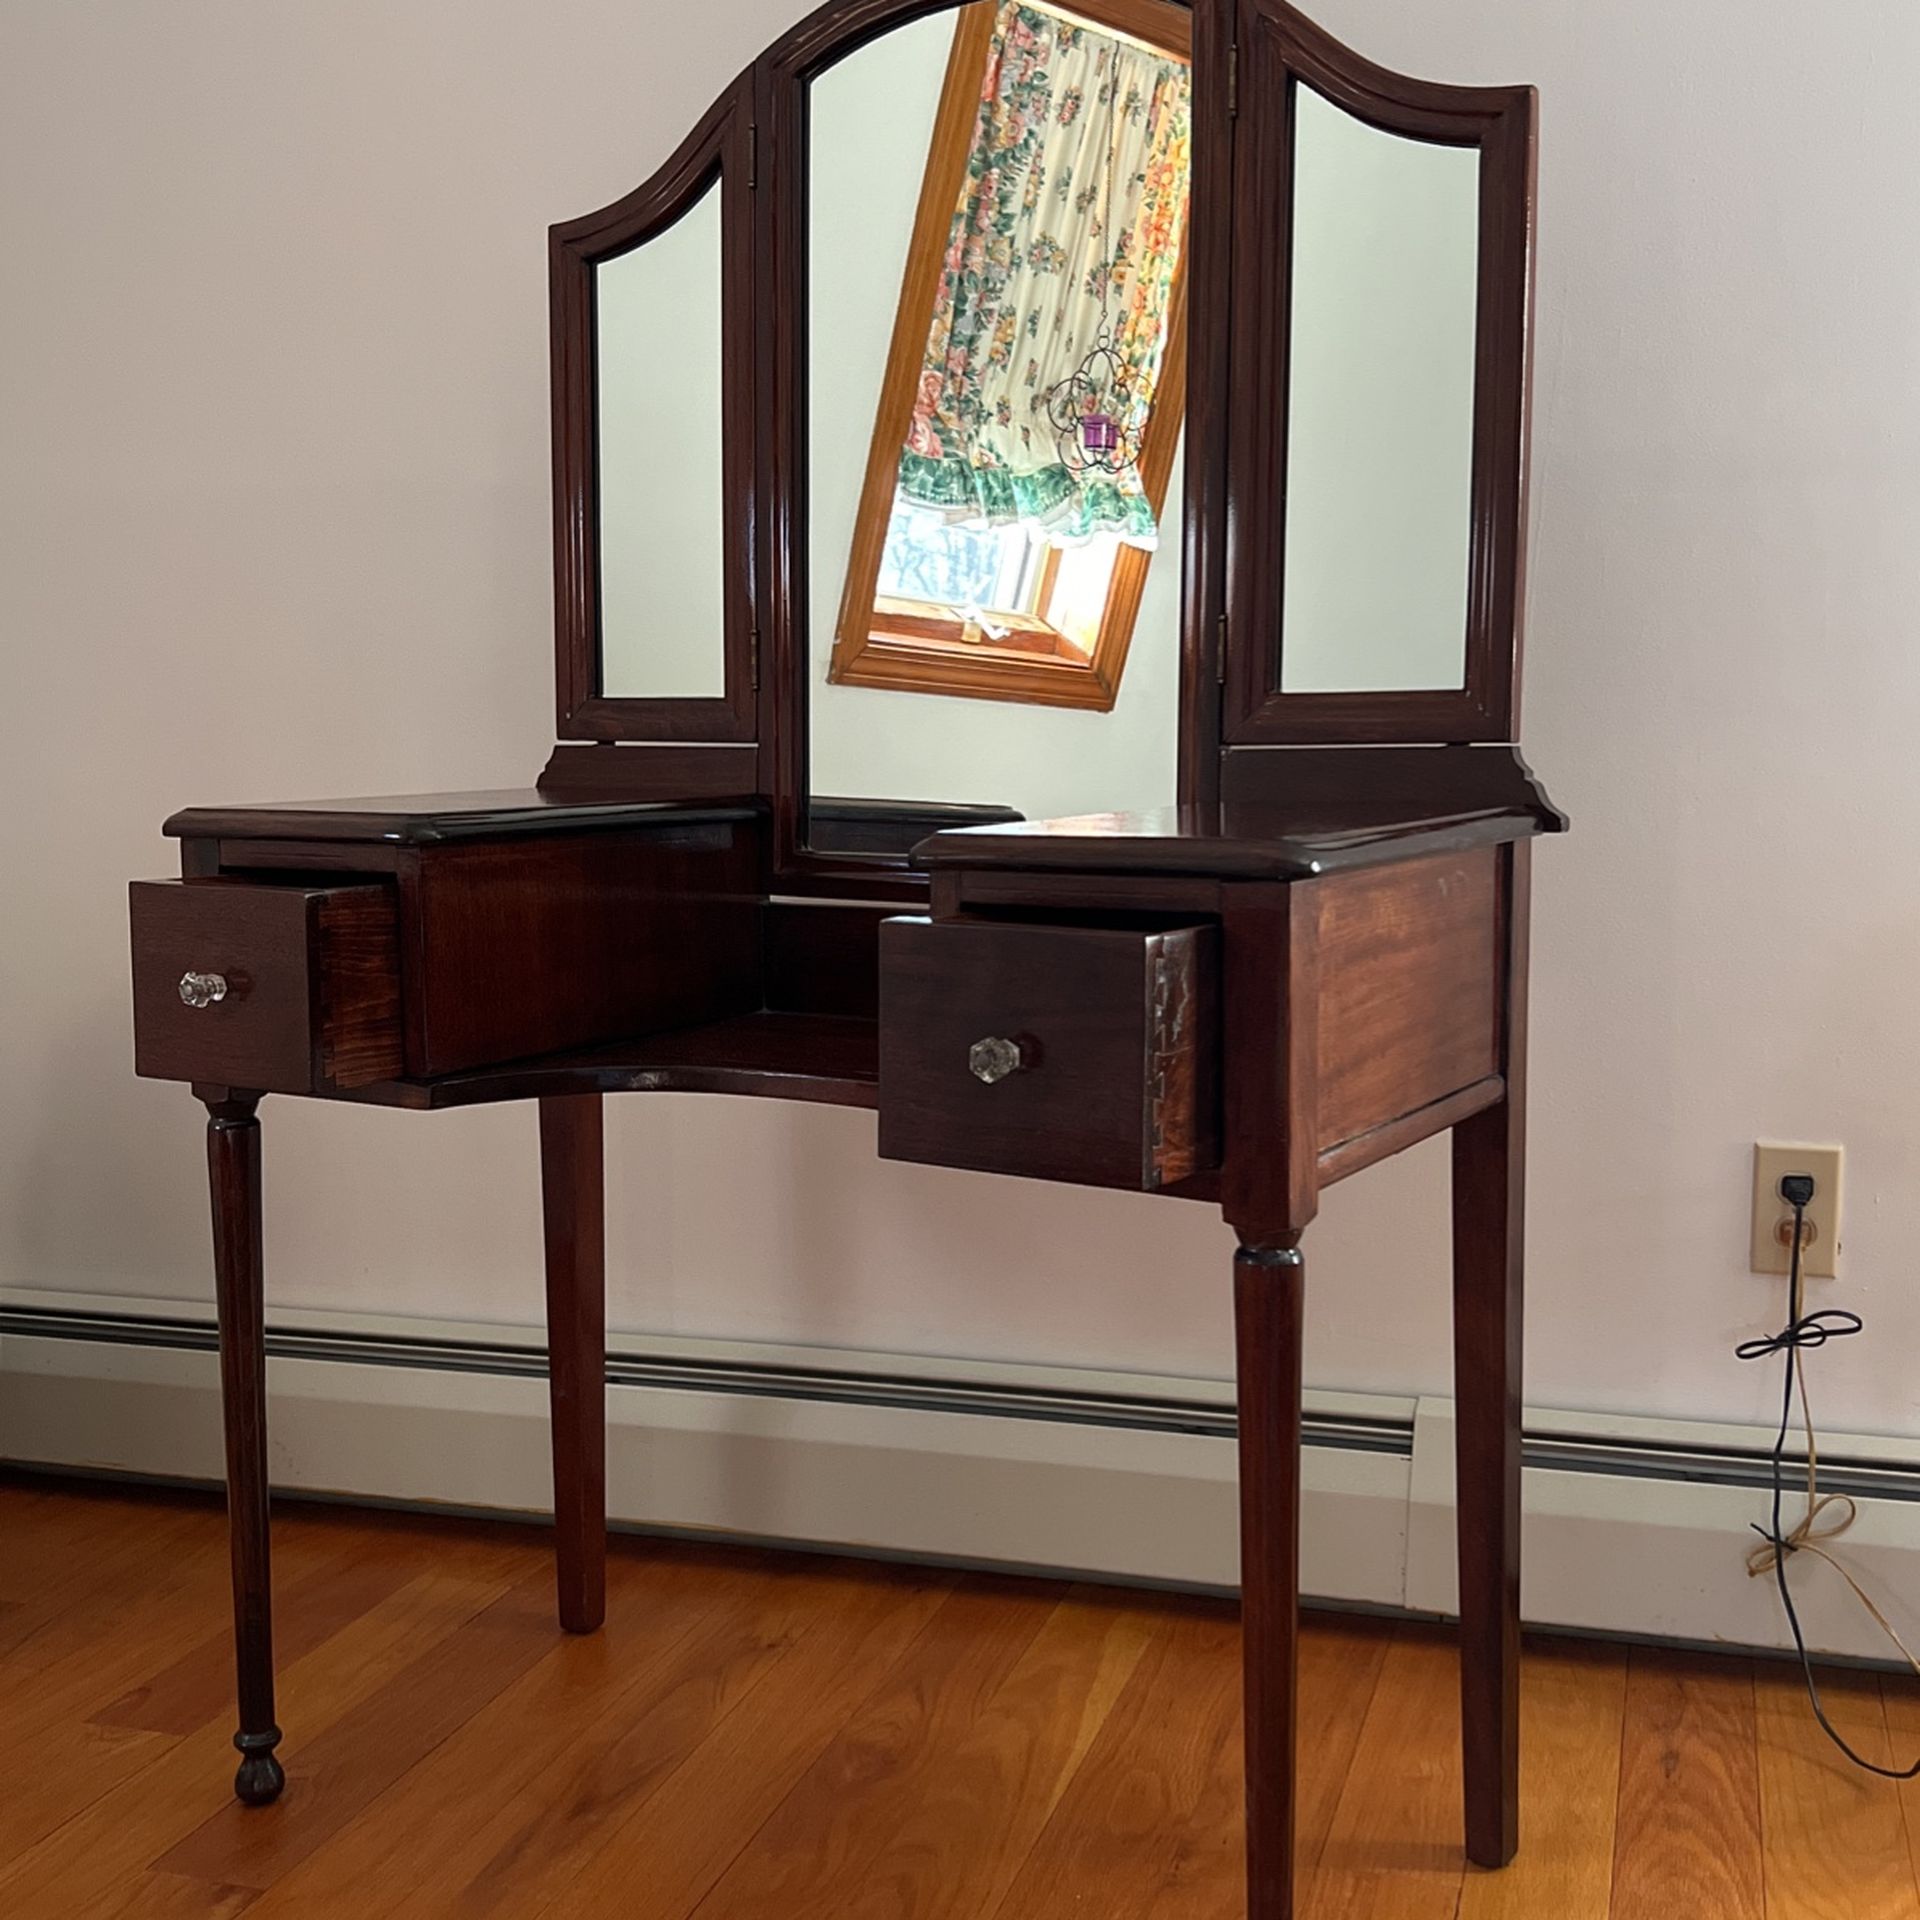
pixel 1487 1180
pixel 233 1167
pixel 1268 1288
pixel 573 1195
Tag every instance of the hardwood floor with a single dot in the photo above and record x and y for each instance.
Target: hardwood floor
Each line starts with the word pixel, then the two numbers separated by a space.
pixel 759 1736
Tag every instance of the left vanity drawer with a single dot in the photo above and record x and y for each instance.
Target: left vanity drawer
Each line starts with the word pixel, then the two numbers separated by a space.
pixel 282 989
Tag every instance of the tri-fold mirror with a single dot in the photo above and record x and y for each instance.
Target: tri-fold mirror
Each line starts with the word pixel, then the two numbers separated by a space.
pixel 1018 406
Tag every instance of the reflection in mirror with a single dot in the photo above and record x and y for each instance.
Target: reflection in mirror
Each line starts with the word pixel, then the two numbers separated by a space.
pixel 1380 389
pixel 995 394
pixel 662 597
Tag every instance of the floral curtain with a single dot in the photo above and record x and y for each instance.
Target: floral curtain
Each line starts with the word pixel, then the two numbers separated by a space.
pixel 1076 129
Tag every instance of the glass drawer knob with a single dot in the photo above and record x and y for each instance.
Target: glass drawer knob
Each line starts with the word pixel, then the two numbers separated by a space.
pixel 202 989
pixel 993 1059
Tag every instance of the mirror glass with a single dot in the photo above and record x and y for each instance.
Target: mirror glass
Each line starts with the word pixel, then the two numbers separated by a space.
pixel 995 391
pixel 1383 279
pixel 662 585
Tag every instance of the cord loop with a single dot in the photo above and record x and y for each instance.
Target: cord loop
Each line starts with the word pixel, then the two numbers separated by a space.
pixel 1827 1515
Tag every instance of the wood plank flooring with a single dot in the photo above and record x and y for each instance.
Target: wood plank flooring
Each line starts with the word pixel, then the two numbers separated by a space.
pixel 760 1736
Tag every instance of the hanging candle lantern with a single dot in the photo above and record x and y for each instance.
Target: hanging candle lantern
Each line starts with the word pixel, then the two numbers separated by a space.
pixel 1093 413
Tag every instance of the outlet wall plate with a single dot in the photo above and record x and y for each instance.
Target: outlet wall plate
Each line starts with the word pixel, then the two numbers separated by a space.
pixel 1773 1218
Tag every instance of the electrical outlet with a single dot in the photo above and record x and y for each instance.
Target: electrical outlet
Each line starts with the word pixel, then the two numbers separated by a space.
pixel 1773 1218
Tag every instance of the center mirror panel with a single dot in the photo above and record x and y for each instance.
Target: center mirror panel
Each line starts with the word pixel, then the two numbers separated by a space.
pixel 997 219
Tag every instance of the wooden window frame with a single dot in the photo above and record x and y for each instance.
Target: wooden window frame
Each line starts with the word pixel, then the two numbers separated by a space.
pixel 878 643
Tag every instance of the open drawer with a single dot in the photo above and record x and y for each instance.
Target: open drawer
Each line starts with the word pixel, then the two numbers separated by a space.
pixel 1078 1053
pixel 278 988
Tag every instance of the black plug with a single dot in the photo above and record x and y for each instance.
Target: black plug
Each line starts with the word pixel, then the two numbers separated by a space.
pixel 1796 1189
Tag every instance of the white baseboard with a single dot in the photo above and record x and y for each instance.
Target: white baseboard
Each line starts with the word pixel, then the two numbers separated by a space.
pixel 1632 1526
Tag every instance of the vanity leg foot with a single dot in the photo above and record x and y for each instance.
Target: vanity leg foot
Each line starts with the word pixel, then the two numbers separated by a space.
pixel 573 1195
pixel 260 1777
pixel 233 1167
pixel 1268 1285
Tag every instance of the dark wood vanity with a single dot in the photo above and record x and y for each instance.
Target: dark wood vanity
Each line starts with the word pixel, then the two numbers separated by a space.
pixel 1311 956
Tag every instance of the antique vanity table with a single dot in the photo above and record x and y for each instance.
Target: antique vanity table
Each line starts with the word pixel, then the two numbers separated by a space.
pixel 1240 919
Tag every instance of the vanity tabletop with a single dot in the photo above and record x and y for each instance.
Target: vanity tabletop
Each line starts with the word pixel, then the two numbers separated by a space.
pixel 1229 842
pixel 1287 813
pixel 425 819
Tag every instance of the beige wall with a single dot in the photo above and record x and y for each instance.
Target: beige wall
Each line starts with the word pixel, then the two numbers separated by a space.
pixel 273 450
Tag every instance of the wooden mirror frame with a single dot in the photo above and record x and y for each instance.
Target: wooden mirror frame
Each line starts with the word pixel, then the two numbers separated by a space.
pixel 1278 48
pixel 719 150
pixel 904 646
pixel 786 73
pixel 1231 713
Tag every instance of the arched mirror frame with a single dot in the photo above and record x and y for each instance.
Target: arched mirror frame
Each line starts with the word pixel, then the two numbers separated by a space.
pixel 719 150
pixel 1277 47
pixel 756 137
pixel 786 74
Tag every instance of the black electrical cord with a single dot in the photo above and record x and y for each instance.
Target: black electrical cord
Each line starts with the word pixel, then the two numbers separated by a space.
pixel 1802 1333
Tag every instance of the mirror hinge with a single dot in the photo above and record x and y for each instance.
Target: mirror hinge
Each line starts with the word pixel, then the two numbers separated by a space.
pixel 1233 80
pixel 753 155
pixel 1220 656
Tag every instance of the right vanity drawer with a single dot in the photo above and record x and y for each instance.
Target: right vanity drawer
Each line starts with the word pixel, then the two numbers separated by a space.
pixel 1075 1053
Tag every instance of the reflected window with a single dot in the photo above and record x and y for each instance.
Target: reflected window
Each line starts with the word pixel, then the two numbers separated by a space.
pixel 1033 396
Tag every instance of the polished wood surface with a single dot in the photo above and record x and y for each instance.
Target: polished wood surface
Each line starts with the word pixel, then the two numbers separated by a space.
pixel 1279 47
pixel 829 1059
pixel 1270 937
pixel 1360 786
pixel 1408 1001
pixel 312 984
pixel 823 959
pixel 233 1168
pixel 1263 840
pixel 757 1726
pixel 517 948
pixel 1489 1291
pixel 895 827
pixel 1118 1038
pixel 1269 1310
pixel 573 1207
pixel 1420 1123
pixel 576 771
pixel 429 819
pixel 721 153
pixel 1214 106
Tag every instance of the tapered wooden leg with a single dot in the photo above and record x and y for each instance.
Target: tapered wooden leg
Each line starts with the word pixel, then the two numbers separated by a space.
pixel 233 1167
pixel 1487 1177
pixel 1489 1255
pixel 573 1195
pixel 1268 1291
